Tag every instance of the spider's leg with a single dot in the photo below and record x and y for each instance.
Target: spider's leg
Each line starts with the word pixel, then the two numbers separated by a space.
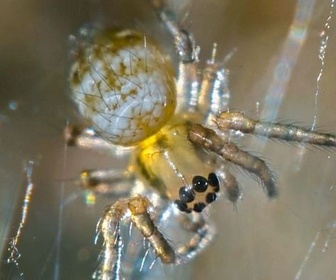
pixel 238 121
pixel 187 51
pixel 116 182
pixel 184 41
pixel 113 182
pixel 209 140
pixel 111 255
pixel 137 209
pixel 214 91
pixel 84 137
pixel 202 234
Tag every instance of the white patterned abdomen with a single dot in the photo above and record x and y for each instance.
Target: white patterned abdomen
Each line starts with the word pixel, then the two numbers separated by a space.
pixel 123 86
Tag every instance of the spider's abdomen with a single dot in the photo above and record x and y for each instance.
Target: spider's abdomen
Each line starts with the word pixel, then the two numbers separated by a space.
pixel 123 85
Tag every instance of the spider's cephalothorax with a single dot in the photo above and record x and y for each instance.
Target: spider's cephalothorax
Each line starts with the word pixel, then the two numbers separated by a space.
pixel 170 163
pixel 174 131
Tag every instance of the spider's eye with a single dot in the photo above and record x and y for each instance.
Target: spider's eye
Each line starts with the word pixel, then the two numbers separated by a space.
pixel 200 184
pixel 123 85
pixel 213 181
pixel 198 207
pixel 186 195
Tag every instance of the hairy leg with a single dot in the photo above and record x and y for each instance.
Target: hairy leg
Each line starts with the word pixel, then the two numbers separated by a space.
pixel 209 140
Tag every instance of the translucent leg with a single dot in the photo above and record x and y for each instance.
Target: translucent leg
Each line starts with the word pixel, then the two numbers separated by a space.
pixel 214 91
pixel 84 137
pixel 112 182
pixel 202 234
pixel 187 51
pixel 137 210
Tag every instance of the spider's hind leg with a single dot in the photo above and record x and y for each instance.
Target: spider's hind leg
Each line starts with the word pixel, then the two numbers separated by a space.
pixel 115 182
pixel 84 137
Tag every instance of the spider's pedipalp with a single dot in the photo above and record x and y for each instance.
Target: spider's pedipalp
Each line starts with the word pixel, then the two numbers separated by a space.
pixel 208 139
pixel 203 233
pixel 232 190
pixel 238 121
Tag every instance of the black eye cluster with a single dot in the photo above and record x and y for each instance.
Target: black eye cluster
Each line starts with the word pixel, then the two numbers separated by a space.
pixel 196 197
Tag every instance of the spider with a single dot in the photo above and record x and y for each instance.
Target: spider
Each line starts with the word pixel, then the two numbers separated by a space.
pixel 176 134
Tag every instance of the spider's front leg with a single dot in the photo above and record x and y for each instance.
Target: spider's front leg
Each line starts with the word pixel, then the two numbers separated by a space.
pixel 137 210
pixel 209 140
pixel 239 122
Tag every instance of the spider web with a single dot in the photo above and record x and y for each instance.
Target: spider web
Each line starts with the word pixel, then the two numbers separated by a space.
pixel 283 69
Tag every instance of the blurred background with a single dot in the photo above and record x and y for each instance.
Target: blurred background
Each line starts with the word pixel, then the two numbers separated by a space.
pixel 282 68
